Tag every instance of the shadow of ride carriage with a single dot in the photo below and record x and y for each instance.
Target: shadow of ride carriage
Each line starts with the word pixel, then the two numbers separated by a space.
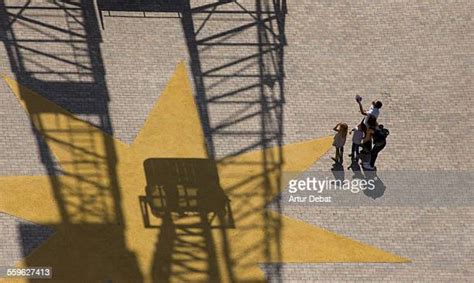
pixel 183 187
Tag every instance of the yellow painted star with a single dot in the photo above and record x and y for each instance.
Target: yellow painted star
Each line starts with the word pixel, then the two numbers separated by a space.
pixel 94 207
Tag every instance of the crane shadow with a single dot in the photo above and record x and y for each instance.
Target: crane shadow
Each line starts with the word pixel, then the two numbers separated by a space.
pixel 58 54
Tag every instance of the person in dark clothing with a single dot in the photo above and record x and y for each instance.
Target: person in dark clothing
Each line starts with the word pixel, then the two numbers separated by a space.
pixel 367 142
pixel 380 141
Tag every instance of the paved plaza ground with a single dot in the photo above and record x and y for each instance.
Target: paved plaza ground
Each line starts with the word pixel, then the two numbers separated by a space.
pixel 279 82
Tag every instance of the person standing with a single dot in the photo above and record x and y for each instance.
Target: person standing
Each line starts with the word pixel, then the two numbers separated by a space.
pixel 380 141
pixel 367 142
pixel 369 130
pixel 357 137
pixel 373 111
pixel 339 141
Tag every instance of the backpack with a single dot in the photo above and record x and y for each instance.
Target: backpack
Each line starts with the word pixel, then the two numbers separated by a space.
pixel 380 136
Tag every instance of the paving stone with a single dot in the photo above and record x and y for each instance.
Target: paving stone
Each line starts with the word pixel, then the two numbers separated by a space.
pixel 19 238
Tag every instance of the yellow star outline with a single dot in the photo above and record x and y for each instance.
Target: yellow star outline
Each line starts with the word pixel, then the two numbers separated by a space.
pixel 93 204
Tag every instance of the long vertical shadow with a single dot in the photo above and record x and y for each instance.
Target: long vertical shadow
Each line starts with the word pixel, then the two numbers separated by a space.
pixel 237 61
pixel 54 49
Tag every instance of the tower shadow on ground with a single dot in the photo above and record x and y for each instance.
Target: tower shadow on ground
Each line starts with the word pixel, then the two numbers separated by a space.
pixel 59 55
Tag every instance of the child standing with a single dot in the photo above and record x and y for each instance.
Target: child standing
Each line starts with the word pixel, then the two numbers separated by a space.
pixel 339 141
pixel 357 137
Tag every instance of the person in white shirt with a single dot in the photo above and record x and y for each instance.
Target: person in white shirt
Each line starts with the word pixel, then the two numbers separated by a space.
pixel 357 137
pixel 374 110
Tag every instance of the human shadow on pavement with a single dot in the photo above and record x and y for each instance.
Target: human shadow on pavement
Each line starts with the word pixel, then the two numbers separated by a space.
pixel 338 172
pixel 361 173
pixel 379 186
pixel 356 169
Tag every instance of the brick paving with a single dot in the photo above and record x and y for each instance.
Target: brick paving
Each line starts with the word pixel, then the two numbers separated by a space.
pixel 19 238
pixel 417 57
